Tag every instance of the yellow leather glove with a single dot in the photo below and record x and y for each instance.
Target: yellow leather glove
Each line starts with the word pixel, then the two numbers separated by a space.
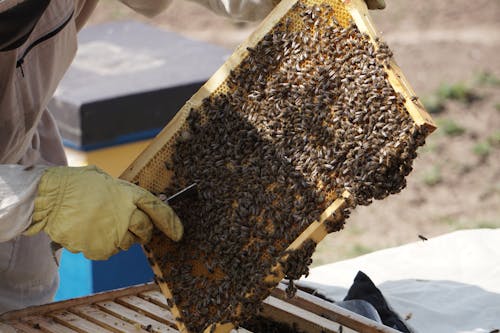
pixel 86 210
pixel 375 4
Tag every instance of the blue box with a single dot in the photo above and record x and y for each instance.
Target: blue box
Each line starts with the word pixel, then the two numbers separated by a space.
pixel 80 276
pixel 127 81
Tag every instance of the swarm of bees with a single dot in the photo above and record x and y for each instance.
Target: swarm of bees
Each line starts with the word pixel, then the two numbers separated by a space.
pixel 308 114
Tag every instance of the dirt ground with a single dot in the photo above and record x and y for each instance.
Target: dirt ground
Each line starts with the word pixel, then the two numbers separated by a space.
pixel 440 46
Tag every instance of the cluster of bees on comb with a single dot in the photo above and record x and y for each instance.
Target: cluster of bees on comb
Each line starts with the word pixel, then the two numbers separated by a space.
pixel 308 114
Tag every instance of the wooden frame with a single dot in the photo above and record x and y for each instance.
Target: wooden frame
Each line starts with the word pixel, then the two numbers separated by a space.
pixel 142 309
pixel 317 230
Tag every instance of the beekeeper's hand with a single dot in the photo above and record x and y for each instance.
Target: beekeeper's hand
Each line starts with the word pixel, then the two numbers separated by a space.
pixel 375 4
pixel 86 210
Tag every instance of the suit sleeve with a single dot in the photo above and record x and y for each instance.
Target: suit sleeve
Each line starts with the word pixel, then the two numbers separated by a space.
pixel 244 10
pixel 18 188
pixel 148 8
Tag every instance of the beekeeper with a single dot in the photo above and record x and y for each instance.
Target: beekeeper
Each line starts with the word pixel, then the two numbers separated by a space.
pixel 83 209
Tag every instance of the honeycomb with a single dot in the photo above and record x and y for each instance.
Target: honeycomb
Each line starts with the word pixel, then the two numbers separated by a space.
pixel 309 118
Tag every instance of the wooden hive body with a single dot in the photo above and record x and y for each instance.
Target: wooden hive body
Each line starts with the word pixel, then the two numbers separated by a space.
pixel 149 171
pixel 141 309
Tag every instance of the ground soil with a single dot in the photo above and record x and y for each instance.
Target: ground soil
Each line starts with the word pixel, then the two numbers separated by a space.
pixel 454 184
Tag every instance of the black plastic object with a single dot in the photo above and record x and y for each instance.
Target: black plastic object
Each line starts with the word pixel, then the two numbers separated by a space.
pixel 364 289
pixel 127 81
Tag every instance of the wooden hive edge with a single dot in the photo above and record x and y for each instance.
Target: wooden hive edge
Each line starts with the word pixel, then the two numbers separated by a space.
pixel 80 313
pixel 331 311
pixel 63 305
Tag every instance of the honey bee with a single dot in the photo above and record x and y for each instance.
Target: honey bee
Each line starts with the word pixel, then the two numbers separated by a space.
pixel 423 237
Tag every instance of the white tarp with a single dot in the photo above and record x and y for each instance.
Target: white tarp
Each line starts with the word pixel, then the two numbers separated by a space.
pixel 449 283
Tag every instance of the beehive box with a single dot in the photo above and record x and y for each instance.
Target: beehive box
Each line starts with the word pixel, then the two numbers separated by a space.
pixel 141 309
pixel 307 119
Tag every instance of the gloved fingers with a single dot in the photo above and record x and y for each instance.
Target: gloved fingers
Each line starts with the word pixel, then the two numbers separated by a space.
pixel 375 4
pixel 93 253
pixel 163 217
pixel 141 226
pixel 127 241
pixel 98 255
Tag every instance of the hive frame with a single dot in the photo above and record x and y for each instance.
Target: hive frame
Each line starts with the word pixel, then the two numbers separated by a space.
pixel 317 230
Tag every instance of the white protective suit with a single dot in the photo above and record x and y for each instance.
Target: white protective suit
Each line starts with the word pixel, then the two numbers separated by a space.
pixel 30 141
